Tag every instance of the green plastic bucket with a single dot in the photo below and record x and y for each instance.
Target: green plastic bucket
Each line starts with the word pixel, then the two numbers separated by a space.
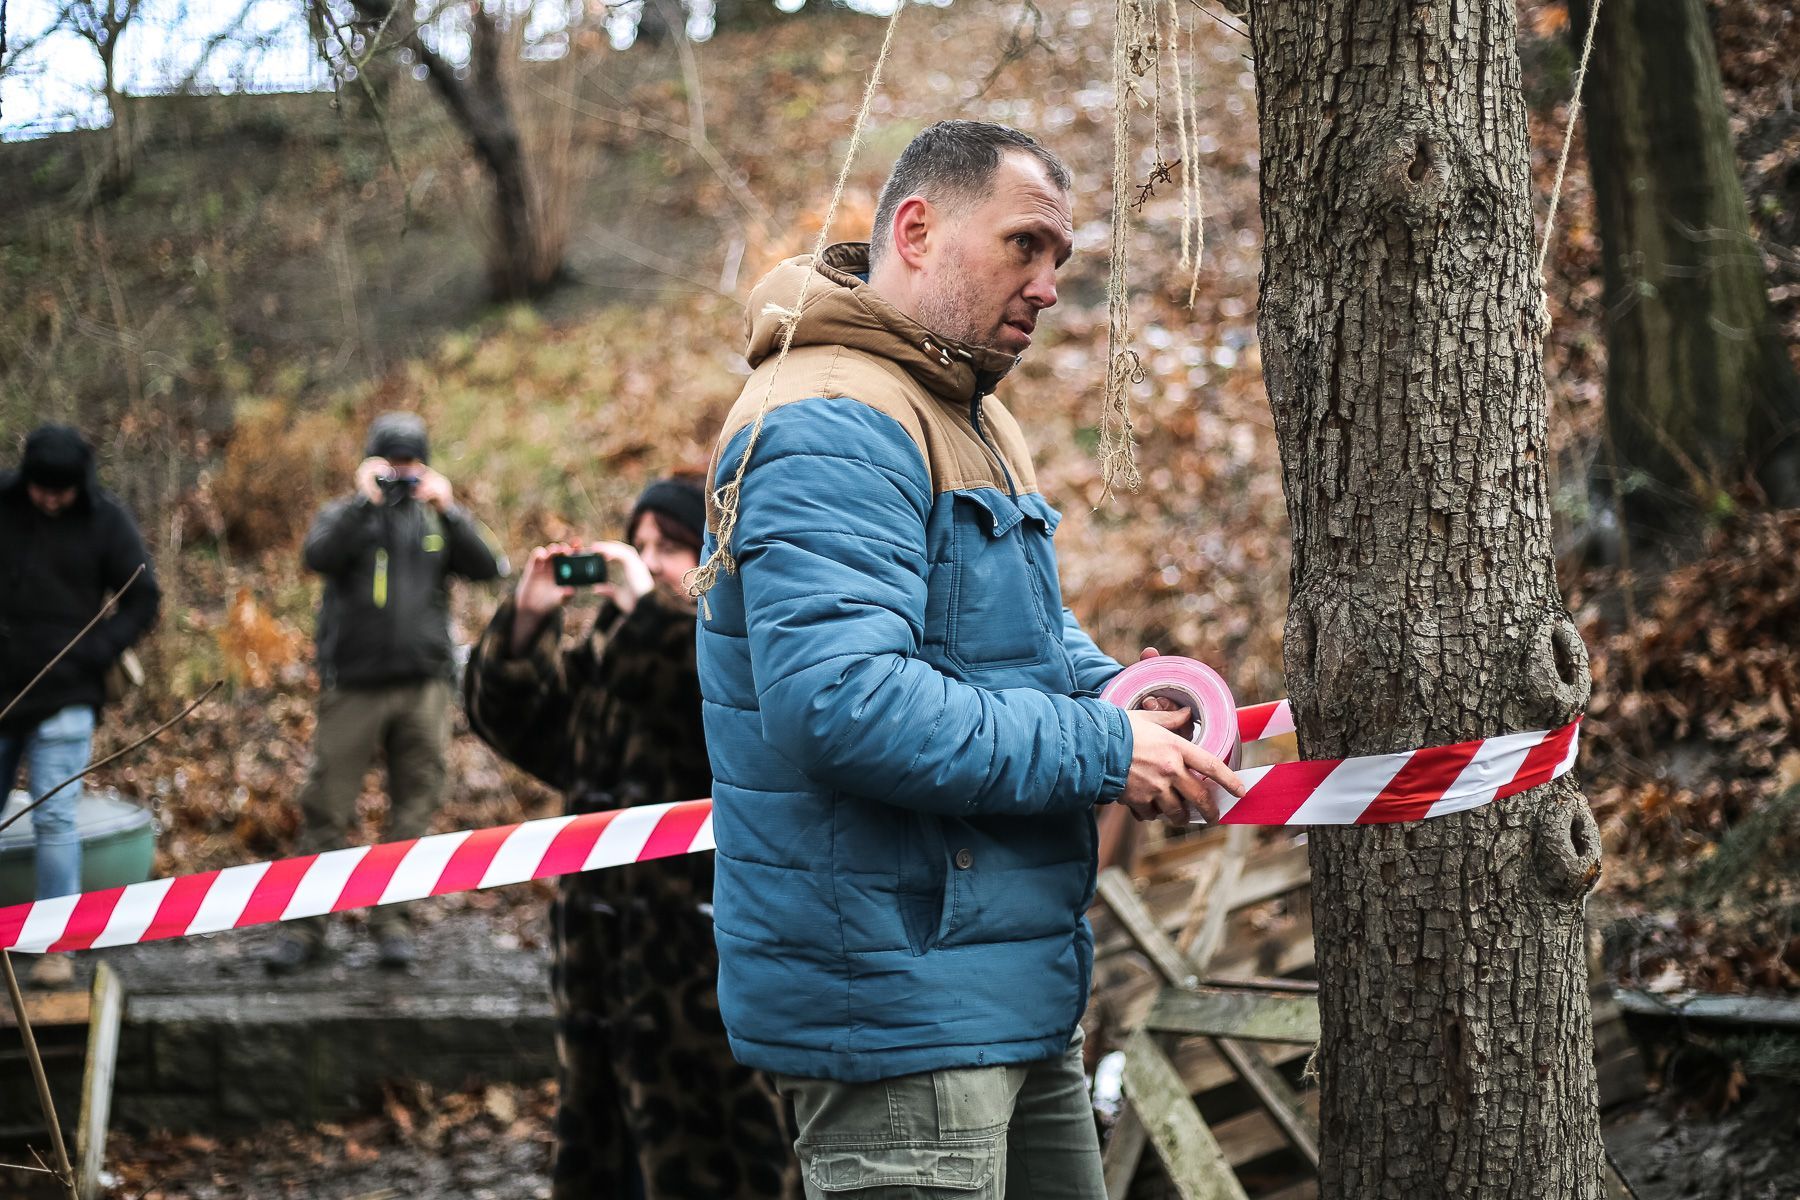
pixel 118 845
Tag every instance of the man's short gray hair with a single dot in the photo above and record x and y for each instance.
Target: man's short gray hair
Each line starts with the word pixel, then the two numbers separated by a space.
pixel 951 163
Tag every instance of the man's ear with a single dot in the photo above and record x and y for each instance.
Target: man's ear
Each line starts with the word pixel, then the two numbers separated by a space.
pixel 914 229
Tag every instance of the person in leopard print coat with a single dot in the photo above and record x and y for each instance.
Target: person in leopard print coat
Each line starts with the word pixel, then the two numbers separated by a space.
pixel 650 1101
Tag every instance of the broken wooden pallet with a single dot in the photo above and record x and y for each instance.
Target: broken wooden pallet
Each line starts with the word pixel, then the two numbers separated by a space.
pixel 1217 1067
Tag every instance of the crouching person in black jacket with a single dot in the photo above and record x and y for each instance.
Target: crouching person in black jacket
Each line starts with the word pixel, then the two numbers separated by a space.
pixel 386 668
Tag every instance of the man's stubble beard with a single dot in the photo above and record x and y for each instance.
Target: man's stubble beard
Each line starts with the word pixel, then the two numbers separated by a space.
pixel 950 311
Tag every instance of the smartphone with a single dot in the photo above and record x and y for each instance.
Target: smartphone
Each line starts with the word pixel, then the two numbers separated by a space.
pixel 577 570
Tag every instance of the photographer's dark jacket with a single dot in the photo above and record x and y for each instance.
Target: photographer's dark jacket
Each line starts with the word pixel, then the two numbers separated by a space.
pixel 385 616
pixel 55 573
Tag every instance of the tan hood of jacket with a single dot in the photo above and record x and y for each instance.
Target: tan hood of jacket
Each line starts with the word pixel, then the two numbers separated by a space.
pixel 850 343
pixel 842 310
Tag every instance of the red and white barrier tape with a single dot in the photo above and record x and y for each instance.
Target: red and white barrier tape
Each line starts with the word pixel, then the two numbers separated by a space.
pixel 1409 786
pixel 388 873
pixel 1375 789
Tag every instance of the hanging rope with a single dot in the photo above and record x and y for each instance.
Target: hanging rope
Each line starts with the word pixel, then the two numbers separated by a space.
pixel 1187 121
pixel 726 498
pixel 1562 163
pixel 1118 452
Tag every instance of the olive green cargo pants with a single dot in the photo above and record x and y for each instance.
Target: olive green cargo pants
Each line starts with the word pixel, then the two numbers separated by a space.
pixel 1023 1132
pixel 409 723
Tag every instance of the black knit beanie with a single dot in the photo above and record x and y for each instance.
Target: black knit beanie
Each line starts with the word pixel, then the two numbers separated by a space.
pixel 56 457
pixel 677 499
pixel 398 435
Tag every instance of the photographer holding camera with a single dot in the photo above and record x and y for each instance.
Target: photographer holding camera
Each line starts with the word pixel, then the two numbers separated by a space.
pixel 649 1102
pixel 387 553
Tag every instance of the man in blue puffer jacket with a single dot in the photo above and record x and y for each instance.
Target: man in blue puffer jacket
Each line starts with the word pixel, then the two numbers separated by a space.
pixel 902 717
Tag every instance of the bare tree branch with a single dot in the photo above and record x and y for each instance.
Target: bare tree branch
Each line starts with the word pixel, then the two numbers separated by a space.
pixel 115 755
pixel 112 602
pixel 64 1174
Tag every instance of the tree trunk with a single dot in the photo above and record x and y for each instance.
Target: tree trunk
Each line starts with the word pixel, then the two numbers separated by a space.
pixel 521 262
pixel 656 22
pixel 121 141
pixel 1402 344
pixel 1699 387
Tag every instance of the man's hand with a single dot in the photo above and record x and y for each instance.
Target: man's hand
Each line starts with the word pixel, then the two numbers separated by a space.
pixel 367 472
pixel 537 596
pixel 433 489
pixel 1164 762
pixel 628 579
pixel 1169 774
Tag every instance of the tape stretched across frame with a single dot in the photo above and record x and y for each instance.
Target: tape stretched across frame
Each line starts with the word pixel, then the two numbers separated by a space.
pixel 1409 786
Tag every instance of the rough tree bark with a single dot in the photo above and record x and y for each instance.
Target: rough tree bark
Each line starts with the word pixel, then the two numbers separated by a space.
pixel 1401 342
pixel 1699 387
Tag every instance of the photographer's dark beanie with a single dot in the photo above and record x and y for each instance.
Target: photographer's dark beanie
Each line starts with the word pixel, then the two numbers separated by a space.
pixel 398 435
pixel 56 457
pixel 679 500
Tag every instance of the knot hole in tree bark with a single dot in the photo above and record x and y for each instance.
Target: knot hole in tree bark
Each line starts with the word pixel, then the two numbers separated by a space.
pixel 1421 163
pixel 1413 172
pixel 1568 849
pixel 1557 669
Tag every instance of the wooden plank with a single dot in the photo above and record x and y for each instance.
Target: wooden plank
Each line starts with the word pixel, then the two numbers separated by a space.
pixel 1208 907
pixel 108 1011
pixel 1203 930
pixel 1275 1096
pixel 1306 1189
pixel 1767 1012
pixel 1116 890
pixel 1247 950
pixel 46 1009
pixel 1247 1137
pixel 1270 872
pixel 1224 1012
pixel 1162 859
pixel 1202 1070
pixel 1124 1147
pixel 1189 1153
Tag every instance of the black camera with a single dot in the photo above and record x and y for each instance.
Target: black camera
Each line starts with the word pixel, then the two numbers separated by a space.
pixel 395 488
pixel 577 570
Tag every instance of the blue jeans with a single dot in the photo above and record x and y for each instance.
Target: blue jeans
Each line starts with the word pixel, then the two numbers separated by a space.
pixel 57 748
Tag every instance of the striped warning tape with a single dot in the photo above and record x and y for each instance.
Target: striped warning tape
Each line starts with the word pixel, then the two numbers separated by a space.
pixel 1409 786
pixel 1412 785
pixel 314 884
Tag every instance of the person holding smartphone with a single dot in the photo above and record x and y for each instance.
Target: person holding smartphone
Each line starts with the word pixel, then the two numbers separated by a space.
pixel 650 1102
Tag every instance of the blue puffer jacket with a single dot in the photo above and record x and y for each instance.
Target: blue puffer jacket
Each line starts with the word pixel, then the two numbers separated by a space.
pixel 905 743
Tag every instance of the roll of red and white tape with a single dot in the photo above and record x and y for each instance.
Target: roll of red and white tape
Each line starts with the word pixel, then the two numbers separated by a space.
pixel 1195 687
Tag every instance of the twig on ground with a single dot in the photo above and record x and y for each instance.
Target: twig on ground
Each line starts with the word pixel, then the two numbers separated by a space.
pixel 115 755
pixel 63 1173
pixel 112 602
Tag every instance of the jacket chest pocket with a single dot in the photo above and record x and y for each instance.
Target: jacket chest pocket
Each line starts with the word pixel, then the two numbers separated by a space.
pixel 1000 558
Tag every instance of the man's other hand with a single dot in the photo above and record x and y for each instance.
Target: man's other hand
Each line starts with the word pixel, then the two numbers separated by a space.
pixel 367 472
pixel 434 489
pixel 1169 774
